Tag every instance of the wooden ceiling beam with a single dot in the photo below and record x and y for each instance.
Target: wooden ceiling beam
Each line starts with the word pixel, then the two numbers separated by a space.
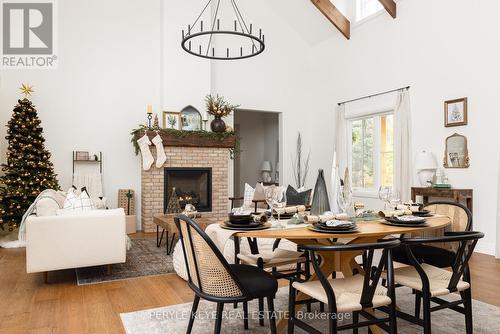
pixel 334 16
pixel 390 7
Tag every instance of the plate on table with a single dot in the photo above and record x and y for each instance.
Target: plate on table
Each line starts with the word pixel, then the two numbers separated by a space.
pixel 284 215
pixel 240 227
pixel 408 220
pixel 422 213
pixel 401 224
pixel 240 219
pixel 315 228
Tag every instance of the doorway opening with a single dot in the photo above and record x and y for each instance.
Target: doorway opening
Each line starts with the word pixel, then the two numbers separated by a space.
pixel 259 156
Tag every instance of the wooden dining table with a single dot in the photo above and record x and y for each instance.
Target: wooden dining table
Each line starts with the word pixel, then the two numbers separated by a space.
pixel 344 262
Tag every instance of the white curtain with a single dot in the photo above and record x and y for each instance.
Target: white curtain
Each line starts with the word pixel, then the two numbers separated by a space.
pixel 339 163
pixel 402 145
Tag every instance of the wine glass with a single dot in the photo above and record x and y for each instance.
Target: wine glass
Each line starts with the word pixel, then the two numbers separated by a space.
pixel 395 198
pixel 345 202
pixel 270 196
pixel 384 194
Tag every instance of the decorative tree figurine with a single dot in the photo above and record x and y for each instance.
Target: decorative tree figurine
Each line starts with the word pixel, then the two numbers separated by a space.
pixel 173 203
pixel 28 170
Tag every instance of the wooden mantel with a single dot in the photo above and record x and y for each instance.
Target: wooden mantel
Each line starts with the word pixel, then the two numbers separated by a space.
pixel 190 139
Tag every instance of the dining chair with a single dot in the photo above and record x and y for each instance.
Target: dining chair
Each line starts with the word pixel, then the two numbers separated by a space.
pixel 212 278
pixel 277 263
pixel 358 294
pixel 440 254
pixel 431 282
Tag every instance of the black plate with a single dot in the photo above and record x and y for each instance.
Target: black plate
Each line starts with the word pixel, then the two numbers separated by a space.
pixel 325 227
pixel 241 228
pixel 398 221
pixel 315 229
pixel 422 213
pixel 233 217
pixel 284 215
pixel 250 225
pixel 400 224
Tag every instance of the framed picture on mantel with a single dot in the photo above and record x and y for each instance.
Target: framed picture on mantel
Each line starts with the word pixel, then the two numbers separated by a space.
pixel 171 120
pixel 455 112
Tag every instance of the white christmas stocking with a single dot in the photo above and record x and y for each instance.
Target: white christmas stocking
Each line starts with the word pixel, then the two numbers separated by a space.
pixel 160 151
pixel 147 157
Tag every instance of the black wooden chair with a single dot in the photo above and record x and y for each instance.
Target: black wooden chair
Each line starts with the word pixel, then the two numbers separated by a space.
pixel 431 282
pixel 358 294
pixel 440 255
pixel 212 278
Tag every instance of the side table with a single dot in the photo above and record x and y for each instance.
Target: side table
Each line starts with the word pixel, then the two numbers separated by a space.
pixel 167 224
pixel 456 194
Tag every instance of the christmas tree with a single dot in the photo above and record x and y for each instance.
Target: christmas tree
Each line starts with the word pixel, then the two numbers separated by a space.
pixel 173 205
pixel 28 170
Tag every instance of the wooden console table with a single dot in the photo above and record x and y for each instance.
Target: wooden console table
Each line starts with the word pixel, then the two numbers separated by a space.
pixel 456 194
pixel 166 222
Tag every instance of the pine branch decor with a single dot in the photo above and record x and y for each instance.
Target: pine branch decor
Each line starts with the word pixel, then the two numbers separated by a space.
pixel 218 107
pixel 28 170
pixel 300 168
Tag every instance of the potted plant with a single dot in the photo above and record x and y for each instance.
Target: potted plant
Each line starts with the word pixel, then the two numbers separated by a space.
pixel 218 107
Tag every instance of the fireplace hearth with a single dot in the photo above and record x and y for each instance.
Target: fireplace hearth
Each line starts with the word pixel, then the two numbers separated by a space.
pixel 192 186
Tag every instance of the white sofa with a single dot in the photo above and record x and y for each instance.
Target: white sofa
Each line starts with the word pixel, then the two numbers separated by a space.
pixel 79 239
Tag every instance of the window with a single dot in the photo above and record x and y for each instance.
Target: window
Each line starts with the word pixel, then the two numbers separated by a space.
pixel 365 8
pixel 371 152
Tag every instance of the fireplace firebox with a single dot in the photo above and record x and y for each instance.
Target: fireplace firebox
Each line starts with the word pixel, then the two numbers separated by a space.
pixel 192 186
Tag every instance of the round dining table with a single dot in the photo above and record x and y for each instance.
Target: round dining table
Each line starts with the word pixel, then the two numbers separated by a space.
pixel 344 262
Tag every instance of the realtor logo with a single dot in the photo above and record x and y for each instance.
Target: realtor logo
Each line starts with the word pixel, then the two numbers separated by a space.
pixel 28 32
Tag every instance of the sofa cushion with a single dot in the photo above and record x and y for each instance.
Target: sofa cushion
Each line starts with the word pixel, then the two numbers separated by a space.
pixel 46 206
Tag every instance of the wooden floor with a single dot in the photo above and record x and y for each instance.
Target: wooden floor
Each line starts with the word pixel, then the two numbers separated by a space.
pixel 27 305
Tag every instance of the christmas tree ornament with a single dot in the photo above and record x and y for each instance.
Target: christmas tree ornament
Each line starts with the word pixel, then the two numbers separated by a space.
pixel 160 151
pixel 147 157
pixel 27 89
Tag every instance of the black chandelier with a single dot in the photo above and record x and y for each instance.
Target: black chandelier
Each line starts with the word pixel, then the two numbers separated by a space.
pixel 199 42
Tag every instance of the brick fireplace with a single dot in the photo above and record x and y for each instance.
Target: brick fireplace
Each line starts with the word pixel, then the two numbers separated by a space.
pixel 189 158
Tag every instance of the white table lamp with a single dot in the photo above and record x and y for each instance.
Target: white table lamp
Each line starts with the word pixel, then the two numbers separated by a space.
pixel 266 168
pixel 426 165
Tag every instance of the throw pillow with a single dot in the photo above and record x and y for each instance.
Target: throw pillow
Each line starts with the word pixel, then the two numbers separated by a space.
pixel 70 198
pixel 294 197
pixel 248 196
pixel 83 202
pixel 46 206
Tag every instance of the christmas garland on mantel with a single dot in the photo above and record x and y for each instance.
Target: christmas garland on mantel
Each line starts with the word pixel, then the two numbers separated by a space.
pixel 220 136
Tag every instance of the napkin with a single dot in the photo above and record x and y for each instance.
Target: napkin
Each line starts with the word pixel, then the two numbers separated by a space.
pixel 394 213
pixel 325 218
pixel 291 209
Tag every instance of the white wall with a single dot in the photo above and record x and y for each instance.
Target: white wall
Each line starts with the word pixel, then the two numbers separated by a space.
pixel 109 60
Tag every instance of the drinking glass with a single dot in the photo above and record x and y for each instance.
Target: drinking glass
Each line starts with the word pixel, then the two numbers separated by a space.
pixel 384 194
pixel 270 196
pixel 395 198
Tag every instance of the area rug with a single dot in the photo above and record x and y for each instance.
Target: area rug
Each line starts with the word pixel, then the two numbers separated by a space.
pixel 143 259
pixel 173 319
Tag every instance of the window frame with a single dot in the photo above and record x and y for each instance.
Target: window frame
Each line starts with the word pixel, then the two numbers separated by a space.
pixel 369 192
pixel 356 9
